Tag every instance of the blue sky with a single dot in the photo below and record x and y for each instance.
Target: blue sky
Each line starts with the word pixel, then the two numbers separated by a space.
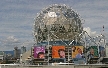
pixel 17 18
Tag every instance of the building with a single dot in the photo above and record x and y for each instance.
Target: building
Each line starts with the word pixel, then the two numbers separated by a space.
pixel 1 55
pixel 17 52
pixel 25 56
pixel 23 49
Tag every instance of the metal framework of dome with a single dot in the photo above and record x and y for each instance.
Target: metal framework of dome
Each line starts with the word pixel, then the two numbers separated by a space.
pixel 57 23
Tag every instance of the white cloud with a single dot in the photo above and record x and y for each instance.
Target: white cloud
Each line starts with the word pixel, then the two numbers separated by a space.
pixel 91 33
pixel 11 41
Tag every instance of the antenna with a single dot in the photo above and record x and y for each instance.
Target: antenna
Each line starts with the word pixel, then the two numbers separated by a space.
pixel 102 30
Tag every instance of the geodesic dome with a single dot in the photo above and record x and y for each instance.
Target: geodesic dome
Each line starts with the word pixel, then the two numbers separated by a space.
pixel 57 22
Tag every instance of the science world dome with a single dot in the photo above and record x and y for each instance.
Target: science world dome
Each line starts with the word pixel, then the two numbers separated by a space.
pixel 57 23
pixel 59 38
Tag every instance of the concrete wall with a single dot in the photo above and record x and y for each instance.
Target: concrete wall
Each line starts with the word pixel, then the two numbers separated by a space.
pixel 59 66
